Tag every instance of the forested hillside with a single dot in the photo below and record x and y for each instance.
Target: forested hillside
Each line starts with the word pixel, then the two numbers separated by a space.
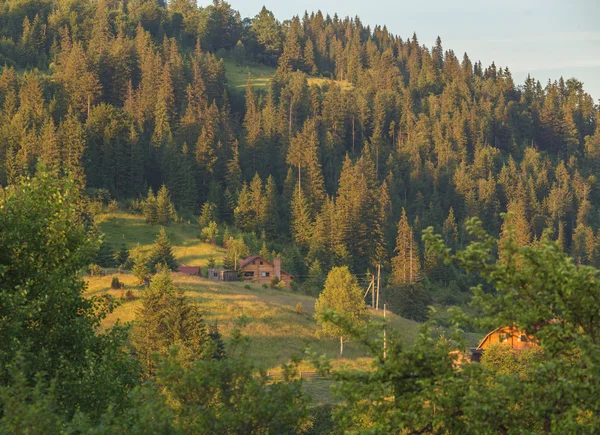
pixel 395 137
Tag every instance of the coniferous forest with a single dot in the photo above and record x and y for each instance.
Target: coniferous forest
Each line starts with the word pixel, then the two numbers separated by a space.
pixel 358 142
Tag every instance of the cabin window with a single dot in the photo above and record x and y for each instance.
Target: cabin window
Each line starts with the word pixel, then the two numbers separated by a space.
pixel 523 338
pixel 254 262
pixel 249 274
pixel 265 274
pixel 261 263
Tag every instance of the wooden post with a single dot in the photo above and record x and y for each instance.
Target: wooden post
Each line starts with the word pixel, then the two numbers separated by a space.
pixel 384 333
pixel 341 345
pixel 378 279
pixel 372 291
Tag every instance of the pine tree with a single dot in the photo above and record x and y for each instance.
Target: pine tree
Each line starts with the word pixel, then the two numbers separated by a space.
pixel 310 65
pixel 271 212
pixel 301 219
pixel 149 208
pixel 168 318
pixel 406 265
pixel 450 229
pixel 165 211
pixel 162 253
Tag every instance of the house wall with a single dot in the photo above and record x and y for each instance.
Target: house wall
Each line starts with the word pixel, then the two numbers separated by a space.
pixel 255 271
pixel 510 337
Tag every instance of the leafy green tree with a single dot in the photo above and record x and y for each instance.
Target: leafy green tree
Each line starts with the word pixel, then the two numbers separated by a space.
pixel 210 232
pixel 236 250
pixel 343 295
pixel 49 329
pixel 162 253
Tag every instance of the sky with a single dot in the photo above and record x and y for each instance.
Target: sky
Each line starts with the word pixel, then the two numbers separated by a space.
pixel 545 38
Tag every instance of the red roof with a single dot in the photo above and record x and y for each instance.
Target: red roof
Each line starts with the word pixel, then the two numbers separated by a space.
pixel 189 270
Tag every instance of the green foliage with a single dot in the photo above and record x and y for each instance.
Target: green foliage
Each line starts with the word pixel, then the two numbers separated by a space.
pixel 167 318
pixel 105 256
pixel 94 270
pixel 208 214
pixel 162 253
pixel 551 388
pixel 236 251
pixel 47 324
pixel 342 294
pixel 115 284
pixel 210 233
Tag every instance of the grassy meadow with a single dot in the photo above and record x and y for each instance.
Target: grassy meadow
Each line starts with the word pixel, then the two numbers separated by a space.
pixel 129 229
pixel 275 328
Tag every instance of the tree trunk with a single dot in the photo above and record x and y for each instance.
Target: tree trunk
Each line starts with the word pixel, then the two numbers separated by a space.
pixel 341 346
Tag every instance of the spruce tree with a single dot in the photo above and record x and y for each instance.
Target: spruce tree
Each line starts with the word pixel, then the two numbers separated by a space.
pixel 406 265
pixel 162 253
pixel 301 219
pixel 149 208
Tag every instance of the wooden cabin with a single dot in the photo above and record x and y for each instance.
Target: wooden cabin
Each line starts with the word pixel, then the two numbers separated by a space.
pixel 222 275
pixel 511 336
pixel 257 269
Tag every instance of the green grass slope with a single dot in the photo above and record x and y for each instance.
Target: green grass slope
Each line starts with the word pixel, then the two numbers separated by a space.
pixel 129 229
pixel 275 329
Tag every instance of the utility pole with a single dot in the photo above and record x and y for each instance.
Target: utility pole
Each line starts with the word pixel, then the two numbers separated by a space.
pixel 384 333
pixel 372 286
pixel 372 289
pixel 378 281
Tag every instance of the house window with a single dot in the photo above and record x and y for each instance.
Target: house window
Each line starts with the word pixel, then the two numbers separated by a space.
pixel 264 274
pixel 261 263
pixel 249 274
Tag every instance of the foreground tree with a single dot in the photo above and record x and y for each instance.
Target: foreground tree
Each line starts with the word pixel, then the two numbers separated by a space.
pixel 342 294
pixel 47 328
pixel 167 318
pixel 422 389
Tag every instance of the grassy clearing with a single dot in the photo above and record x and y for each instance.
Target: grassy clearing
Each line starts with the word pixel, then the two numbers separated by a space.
pixel 237 75
pixel 129 229
pixel 276 331
pixel 320 81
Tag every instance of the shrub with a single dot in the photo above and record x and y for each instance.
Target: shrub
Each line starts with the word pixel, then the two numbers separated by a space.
pixel 299 308
pixel 265 286
pixel 115 284
pixel 274 282
pixel 129 295
pixel 94 270
pixel 247 287
pixel 210 233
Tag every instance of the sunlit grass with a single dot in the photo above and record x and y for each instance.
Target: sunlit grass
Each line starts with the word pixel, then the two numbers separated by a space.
pixel 276 330
pixel 129 229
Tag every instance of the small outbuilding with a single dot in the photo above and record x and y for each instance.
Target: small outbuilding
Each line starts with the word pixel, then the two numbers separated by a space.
pixel 222 275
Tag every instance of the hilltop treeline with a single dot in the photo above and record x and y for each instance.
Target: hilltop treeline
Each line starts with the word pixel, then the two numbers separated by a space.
pixel 129 95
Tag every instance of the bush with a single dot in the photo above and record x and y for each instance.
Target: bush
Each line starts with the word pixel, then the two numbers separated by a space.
pixel 129 295
pixel 95 270
pixel 210 233
pixel 274 282
pixel 115 284
pixel 265 286
pixel 247 287
pixel 299 308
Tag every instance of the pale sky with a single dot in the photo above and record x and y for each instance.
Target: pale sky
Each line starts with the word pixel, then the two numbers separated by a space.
pixel 546 38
